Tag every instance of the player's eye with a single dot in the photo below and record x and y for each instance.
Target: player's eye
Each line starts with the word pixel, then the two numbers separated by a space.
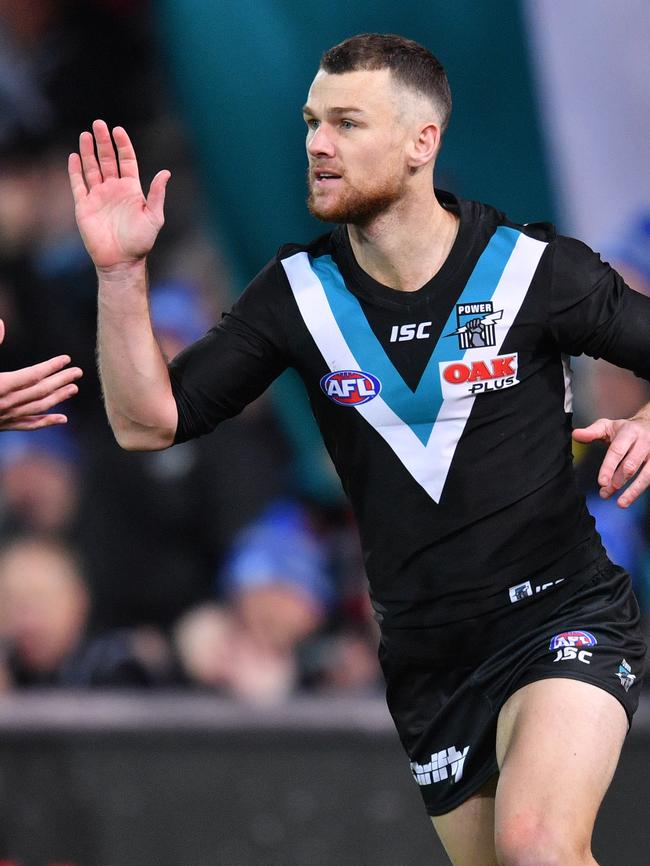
pixel 347 124
pixel 311 122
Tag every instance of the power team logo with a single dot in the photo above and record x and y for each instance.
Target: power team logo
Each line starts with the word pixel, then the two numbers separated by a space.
pixel 571 644
pixel 520 591
pixel 469 378
pixel 475 325
pixel 625 675
pixel 350 387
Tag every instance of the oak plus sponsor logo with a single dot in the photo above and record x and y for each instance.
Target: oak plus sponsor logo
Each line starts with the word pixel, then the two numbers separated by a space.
pixel 476 325
pixel 571 645
pixel 447 764
pixel 350 387
pixel 468 378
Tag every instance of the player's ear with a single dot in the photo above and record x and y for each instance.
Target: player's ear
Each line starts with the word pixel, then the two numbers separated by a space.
pixel 424 145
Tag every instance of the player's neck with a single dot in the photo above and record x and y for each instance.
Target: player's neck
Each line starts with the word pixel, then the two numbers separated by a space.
pixel 406 246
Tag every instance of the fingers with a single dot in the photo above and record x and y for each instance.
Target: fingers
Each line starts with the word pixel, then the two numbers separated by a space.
pixel 28 376
pixel 128 163
pixel 636 488
pixel 156 197
pixel 601 429
pixel 33 422
pixel 97 161
pixel 105 150
pixel 77 182
pixel 2 331
pixel 27 394
pixel 615 462
pixel 36 407
pixel 89 164
pixel 35 396
pixel 626 459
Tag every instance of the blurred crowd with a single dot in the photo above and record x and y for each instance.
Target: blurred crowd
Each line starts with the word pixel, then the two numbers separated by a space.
pixel 201 566
pixel 204 566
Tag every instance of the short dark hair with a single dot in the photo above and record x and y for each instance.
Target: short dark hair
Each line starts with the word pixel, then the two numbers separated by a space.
pixel 411 64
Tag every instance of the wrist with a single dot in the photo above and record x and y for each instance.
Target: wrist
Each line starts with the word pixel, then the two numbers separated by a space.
pixel 123 272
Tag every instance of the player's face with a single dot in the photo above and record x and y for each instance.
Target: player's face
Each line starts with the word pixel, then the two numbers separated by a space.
pixel 355 146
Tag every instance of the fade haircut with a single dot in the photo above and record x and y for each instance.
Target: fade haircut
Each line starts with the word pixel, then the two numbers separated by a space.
pixel 411 64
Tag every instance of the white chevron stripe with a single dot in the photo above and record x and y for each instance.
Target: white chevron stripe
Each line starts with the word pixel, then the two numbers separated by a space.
pixel 429 464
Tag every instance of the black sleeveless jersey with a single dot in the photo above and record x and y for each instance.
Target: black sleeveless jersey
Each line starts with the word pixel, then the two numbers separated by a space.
pixel 446 411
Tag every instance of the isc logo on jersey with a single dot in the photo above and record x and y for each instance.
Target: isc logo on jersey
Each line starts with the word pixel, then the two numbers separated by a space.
pixel 350 387
pixel 571 645
pixel 477 376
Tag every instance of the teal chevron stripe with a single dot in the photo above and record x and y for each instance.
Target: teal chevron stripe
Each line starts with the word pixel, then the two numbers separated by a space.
pixel 419 409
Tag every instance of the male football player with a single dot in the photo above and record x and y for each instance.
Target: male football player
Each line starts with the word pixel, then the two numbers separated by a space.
pixel 432 336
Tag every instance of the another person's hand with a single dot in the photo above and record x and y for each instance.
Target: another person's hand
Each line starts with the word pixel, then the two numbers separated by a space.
pixel 26 395
pixel 117 223
pixel 627 458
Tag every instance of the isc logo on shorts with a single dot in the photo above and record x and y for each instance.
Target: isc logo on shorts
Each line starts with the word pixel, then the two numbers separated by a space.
pixel 570 645
pixel 350 387
pixel 469 378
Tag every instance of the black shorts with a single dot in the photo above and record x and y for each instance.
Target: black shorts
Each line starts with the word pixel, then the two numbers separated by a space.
pixel 446 685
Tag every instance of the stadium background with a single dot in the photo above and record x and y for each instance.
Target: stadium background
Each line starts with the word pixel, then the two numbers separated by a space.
pixel 280 752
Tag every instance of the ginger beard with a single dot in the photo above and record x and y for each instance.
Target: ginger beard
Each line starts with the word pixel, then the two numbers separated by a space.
pixel 353 205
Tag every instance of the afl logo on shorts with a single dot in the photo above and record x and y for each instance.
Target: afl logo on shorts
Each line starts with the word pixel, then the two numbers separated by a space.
pixel 572 638
pixel 350 387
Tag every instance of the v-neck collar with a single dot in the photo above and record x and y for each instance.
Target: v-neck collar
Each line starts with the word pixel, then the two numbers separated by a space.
pixel 366 286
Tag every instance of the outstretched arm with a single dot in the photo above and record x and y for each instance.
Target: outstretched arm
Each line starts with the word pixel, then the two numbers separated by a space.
pixel 628 456
pixel 26 395
pixel 119 227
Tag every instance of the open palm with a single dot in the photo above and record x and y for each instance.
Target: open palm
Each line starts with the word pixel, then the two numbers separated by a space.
pixel 117 223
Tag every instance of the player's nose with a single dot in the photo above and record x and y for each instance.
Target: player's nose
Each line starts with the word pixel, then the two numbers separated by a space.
pixel 320 143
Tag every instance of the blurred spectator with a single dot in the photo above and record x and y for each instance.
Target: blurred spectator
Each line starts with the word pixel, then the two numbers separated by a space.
pixel 349 662
pixel 277 576
pixel 39 481
pixel 295 581
pixel 44 612
pixel 217 653
pixel 53 76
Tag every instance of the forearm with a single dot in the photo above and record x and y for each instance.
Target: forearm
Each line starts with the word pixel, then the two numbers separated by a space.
pixel 137 392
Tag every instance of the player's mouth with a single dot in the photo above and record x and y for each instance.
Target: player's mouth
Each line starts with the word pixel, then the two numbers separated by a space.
pixel 323 178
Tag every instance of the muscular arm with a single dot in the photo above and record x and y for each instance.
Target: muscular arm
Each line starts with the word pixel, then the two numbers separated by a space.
pixel 119 227
pixel 135 382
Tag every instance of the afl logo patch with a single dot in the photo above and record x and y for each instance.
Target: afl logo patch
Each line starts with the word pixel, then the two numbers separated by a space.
pixel 350 387
pixel 572 639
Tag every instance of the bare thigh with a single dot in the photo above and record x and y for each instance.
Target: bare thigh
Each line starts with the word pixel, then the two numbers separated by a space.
pixel 467 833
pixel 558 744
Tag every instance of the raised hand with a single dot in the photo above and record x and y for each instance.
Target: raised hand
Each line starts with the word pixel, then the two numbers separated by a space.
pixel 627 458
pixel 117 223
pixel 26 395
